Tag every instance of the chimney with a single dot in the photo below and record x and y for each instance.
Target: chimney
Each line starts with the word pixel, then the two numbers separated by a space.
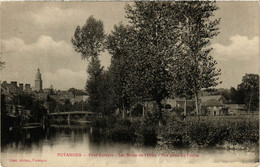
pixel 21 86
pixel 27 87
pixel 14 83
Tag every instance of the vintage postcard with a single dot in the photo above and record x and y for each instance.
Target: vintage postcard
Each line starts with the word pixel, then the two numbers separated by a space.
pixel 145 84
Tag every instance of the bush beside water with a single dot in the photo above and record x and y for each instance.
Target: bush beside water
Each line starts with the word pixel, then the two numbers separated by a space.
pixel 175 132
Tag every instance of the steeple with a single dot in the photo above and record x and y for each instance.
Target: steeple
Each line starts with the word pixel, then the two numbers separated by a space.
pixel 51 87
pixel 38 80
pixel 38 75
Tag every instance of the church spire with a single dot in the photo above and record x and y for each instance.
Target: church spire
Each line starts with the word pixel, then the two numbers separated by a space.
pixel 38 80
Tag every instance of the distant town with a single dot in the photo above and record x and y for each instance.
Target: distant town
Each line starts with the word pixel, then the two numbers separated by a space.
pixel 12 91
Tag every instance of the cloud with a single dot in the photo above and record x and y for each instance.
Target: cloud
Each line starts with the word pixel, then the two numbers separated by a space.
pixel 45 45
pixel 241 48
pixel 60 65
pixel 55 16
pixel 22 61
pixel 45 53
pixel 61 18
pixel 239 57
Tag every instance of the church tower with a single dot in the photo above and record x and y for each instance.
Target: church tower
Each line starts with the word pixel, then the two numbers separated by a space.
pixel 38 81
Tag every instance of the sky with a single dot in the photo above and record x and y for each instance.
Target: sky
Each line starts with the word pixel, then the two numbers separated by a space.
pixel 38 35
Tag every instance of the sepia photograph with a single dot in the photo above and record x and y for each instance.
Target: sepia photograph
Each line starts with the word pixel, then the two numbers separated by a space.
pixel 133 83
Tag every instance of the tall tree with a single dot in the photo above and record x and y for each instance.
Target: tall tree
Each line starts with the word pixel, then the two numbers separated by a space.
pixel 250 87
pixel 107 94
pixel 172 48
pixel 119 44
pixel 93 83
pixel 155 25
pixel 237 96
pixel 182 86
pixel 197 27
pixel 89 40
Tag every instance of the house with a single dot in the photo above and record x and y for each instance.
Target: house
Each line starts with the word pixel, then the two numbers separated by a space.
pixel 140 108
pixel 59 96
pixel 42 96
pixel 212 107
pixel 235 109
pixel 79 96
pixel 55 97
pixel 10 89
pixel 15 109
pixel 6 91
pixel 167 105
pixel 65 95
pixel 219 98
pixel 171 103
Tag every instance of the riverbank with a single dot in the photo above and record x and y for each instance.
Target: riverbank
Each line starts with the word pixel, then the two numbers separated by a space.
pixel 226 132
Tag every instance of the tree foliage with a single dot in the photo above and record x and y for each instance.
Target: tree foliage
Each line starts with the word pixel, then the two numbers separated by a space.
pixel 89 39
pixel 164 51
pixel 247 92
pixel 172 48
pixel 94 70
pixel 194 68
pixel 250 88
pixel 107 94
pixel 237 96
pixel 156 35
pixel 120 44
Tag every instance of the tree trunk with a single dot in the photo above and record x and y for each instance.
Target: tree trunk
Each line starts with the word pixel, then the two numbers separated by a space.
pixel 197 105
pixel 250 100
pixel 130 114
pixel 185 107
pixel 143 109
pixel 123 112
pixel 160 113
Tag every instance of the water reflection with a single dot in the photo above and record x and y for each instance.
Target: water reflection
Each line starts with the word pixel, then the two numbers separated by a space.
pixel 81 138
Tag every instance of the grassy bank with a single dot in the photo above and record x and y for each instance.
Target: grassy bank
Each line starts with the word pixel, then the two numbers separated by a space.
pixel 221 131
pixel 232 132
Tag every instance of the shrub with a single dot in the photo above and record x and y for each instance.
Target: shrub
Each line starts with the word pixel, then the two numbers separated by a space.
pixel 177 110
pixel 173 133
pixel 146 130
pixel 122 131
pixel 176 132
pixel 137 111
pixel 207 132
pixel 244 131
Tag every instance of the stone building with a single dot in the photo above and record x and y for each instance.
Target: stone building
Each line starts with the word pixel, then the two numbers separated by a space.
pixel 213 105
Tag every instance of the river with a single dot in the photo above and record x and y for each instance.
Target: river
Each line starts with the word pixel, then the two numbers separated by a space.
pixel 79 145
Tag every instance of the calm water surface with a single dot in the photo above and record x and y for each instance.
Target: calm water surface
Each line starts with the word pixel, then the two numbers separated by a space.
pixel 44 149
